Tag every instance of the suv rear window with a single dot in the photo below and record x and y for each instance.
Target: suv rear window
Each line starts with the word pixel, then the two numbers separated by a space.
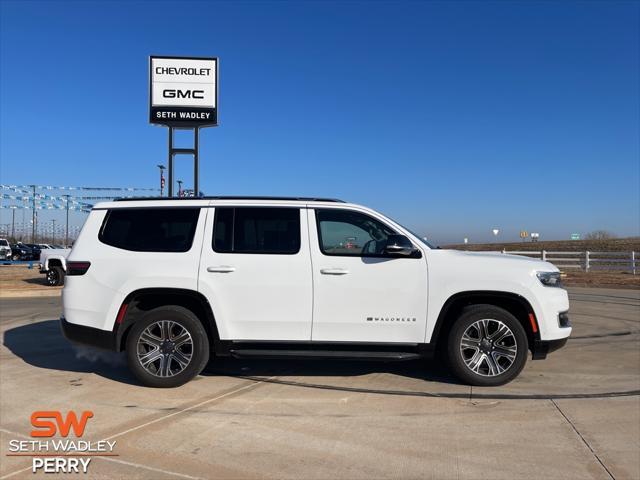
pixel 150 229
pixel 257 230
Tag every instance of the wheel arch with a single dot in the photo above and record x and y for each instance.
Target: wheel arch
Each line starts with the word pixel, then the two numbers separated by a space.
pixel 53 262
pixel 138 302
pixel 515 304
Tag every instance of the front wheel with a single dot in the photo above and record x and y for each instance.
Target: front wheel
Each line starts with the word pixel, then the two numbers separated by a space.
pixel 167 347
pixel 487 346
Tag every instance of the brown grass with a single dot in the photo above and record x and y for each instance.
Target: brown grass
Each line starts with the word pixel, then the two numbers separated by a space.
pixel 613 245
pixel 20 281
pixel 572 276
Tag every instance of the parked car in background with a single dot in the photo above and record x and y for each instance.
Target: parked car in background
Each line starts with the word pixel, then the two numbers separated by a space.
pixel 53 263
pixel 20 251
pixel 35 249
pixel 5 249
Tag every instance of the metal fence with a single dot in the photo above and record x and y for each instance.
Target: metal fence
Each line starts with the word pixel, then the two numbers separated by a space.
pixel 613 261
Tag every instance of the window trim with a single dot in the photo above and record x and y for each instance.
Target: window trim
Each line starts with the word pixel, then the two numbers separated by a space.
pixel 110 210
pixel 358 255
pixel 217 208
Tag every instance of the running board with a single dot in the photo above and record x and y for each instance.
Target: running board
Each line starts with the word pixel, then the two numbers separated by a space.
pixel 364 355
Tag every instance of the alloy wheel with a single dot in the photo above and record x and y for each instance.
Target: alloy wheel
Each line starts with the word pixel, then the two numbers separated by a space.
pixel 488 347
pixel 165 348
pixel 52 277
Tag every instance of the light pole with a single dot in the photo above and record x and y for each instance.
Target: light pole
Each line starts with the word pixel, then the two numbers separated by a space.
pixel 33 216
pixel 66 230
pixel 161 167
pixel 179 187
pixel 53 229
pixel 13 224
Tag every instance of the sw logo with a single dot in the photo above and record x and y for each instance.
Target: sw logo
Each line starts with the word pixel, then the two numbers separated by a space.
pixel 45 427
pixel 46 424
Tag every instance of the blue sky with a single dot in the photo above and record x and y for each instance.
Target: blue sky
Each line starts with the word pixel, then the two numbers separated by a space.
pixel 451 117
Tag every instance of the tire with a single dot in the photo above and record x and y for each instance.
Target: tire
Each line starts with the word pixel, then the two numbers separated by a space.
pixel 494 350
pixel 55 276
pixel 149 340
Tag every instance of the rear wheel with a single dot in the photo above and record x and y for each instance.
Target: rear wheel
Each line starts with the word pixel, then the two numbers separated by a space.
pixel 55 276
pixel 487 346
pixel 167 347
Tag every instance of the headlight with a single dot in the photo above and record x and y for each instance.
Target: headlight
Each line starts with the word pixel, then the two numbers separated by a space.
pixel 549 279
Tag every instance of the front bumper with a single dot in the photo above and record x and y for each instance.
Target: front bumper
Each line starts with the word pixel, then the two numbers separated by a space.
pixel 88 335
pixel 541 348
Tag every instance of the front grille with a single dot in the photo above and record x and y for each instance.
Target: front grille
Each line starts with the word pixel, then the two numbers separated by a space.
pixel 563 320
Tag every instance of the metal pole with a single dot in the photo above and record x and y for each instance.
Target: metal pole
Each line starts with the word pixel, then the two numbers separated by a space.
pixel 161 167
pixel 196 183
pixel 586 261
pixel 13 224
pixel 66 230
pixel 53 229
pixel 33 216
pixel 170 162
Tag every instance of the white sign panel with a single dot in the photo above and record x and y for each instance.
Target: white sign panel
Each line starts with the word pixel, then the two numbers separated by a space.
pixel 183 91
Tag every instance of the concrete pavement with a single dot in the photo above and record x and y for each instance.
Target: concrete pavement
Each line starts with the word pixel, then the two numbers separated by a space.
pixel 574 415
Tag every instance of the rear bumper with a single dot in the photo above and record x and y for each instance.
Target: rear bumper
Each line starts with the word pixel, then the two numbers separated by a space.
pixel 88 335
pixel 541 348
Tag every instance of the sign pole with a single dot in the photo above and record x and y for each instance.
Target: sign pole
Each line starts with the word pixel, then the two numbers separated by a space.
pixel 170 190
pixel 196 188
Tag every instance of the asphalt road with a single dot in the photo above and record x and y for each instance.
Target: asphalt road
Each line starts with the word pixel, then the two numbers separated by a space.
pixel 574 415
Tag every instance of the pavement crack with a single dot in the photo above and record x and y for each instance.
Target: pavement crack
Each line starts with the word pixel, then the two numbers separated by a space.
pixel 584 440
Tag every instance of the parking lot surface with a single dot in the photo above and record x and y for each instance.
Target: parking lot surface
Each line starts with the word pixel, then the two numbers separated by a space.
pixel 574 415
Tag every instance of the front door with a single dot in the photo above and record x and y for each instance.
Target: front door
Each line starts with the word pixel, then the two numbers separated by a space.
pixel 255 271
pixel 361 294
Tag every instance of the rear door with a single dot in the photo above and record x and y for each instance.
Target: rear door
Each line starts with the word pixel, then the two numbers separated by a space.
pixel 255 271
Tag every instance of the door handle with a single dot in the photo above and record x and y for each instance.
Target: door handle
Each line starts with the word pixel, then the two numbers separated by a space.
pixel 334 271
pixel 221 269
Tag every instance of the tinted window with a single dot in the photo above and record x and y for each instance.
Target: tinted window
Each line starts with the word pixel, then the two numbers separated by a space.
pixel 349 233
pixel 150 229
pixel 257 230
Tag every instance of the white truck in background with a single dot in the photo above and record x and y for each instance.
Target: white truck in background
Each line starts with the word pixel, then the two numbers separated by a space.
pixel 53 263
pixel 5 249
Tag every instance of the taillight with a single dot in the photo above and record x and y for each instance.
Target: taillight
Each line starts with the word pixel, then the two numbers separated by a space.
pixel 77 268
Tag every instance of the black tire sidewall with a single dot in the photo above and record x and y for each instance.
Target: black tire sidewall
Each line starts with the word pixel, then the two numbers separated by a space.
pixel 58 273
pixel 454 356
pixel 186 319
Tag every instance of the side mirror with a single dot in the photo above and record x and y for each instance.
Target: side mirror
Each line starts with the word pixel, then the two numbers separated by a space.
pixel 399 245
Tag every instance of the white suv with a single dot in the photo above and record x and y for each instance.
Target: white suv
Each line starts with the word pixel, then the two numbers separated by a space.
pixel 174 281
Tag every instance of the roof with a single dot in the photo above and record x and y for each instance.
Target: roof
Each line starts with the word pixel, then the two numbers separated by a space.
pixel 220 197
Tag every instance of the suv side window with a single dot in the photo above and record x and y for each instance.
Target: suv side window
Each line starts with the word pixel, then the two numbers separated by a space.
pixel 352 234
pixel 150 229
pixel 263 230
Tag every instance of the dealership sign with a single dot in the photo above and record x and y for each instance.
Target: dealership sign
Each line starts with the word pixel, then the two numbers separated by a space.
pixel 183 91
